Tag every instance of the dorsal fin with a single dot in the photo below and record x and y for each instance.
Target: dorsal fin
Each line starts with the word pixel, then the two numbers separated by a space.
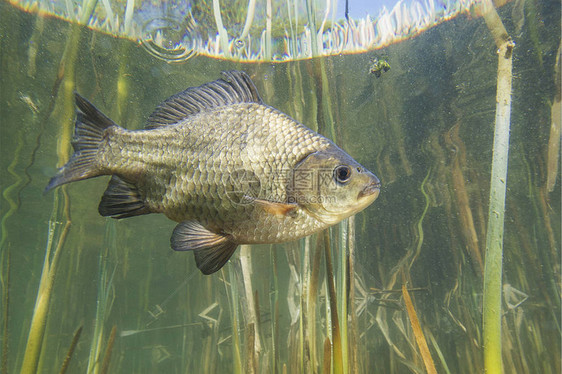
pixel 233 88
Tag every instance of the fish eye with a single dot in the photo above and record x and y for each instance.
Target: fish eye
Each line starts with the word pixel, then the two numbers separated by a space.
pixel 342 173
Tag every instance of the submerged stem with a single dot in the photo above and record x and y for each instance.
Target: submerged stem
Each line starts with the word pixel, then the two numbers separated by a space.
pixel 66 361
pixel 418 332
pixel 492 313
pixel 336 337
pixel 108 349
pixel 6 308
pixel 234 320
pixel 50 265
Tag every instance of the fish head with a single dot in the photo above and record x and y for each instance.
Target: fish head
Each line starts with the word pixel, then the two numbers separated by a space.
pixel 330 185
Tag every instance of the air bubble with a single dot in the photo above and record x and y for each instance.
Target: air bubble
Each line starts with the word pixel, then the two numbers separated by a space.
pixel 239 44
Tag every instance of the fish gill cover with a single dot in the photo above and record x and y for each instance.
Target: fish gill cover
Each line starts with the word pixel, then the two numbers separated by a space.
pixel 250 30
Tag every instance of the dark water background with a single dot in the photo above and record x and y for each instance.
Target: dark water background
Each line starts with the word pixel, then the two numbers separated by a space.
pixel 425 128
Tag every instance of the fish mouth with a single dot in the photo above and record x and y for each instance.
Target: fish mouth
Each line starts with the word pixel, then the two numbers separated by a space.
pixel 372 190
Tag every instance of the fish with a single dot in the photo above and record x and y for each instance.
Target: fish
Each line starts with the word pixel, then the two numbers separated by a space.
pixel 228 168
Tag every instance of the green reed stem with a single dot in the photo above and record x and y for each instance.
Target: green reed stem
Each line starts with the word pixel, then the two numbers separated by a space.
pixel 438 351
pixel 342 295
pixel 234 320
pixel 312 298
pixel 353 349
pixel 246 265
pixel 50 266
pixel 274 307
pixel 67 70
pixel 304 331
pixel 336 336
pixel 104 299
pixel 251 367
pixel 492 313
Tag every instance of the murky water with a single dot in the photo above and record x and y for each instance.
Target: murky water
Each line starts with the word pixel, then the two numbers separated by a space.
pixel 425 127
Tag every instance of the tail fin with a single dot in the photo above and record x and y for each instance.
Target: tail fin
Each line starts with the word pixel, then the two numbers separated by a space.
pixel 89 131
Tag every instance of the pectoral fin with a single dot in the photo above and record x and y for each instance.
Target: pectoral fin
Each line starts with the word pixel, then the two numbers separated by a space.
pixel 278 209
pixel 211 250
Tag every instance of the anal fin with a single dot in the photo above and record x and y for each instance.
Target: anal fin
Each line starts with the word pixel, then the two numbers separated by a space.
pixel 211 250
pixel 121 199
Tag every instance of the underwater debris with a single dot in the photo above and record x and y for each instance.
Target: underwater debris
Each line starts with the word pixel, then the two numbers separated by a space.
pixel 512 297
pixel 29 102
pixel 205 313
pixel 379 66
pixel 159 353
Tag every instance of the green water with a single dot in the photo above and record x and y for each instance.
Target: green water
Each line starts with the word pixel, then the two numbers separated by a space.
pixel 425 128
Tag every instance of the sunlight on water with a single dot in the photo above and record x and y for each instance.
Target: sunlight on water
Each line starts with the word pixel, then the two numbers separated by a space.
pixel 177 30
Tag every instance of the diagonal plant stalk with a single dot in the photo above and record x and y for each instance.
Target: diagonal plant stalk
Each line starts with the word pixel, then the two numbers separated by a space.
pixel 104 299
pixel 418 332
pixel 108 349
pixel 67 70
pixel 492 314
pixel 44 293
pixel 66 79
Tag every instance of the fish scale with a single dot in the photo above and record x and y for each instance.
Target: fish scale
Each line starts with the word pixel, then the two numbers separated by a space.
pixel 230 169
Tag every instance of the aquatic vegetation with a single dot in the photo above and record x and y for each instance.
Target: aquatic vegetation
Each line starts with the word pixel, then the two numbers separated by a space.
pixel 418 333
pixel 492 313
pixel 122 301
pixel 71 349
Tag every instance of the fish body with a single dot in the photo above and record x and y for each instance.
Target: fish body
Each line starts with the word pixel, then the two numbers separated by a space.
pixel 230 169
